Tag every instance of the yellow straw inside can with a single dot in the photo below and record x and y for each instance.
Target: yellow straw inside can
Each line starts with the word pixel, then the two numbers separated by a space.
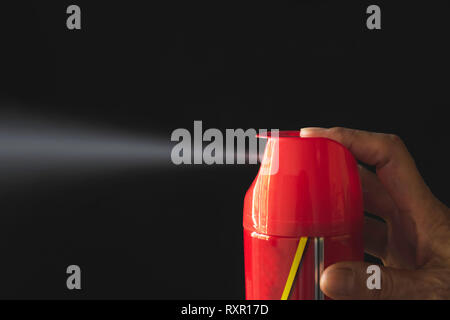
pixel 294 267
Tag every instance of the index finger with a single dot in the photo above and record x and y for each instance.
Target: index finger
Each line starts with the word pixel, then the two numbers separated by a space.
pixel 395 166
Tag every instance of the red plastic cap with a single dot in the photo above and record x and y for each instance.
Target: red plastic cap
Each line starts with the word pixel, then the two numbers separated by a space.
pixel 305 187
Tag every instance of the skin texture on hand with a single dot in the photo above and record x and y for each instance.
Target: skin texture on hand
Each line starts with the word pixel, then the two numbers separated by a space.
pixel 413 244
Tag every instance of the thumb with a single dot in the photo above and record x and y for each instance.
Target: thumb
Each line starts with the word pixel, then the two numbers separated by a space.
pixel 359 280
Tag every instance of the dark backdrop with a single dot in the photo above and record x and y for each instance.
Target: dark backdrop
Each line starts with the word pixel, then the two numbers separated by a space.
pixel 151 68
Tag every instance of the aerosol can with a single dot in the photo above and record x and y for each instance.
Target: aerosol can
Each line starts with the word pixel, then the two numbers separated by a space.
pixel 302 213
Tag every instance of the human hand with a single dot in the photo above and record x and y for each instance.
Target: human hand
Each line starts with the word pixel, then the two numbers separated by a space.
pixel 414 243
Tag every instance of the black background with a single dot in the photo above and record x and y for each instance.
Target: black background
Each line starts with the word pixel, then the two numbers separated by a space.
pixel 149 68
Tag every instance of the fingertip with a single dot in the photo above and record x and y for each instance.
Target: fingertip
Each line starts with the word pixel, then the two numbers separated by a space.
pixel 312 132
pixel 337 282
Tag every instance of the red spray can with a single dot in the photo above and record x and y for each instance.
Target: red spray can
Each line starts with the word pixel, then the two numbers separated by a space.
pixel 302 213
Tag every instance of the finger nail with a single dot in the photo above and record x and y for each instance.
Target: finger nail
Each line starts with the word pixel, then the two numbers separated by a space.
pixel 311 131
pixel 339 282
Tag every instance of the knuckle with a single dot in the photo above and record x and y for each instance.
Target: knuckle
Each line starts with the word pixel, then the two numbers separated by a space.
pixel 394 139
pixel 388 144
